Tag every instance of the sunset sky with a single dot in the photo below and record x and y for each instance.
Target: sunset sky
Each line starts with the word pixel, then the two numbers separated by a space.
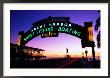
pixel 21 20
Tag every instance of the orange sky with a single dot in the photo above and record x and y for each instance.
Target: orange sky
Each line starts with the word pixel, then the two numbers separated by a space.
pixel 73 54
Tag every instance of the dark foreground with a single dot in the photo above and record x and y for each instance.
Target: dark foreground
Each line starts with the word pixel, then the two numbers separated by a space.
pixel 55 63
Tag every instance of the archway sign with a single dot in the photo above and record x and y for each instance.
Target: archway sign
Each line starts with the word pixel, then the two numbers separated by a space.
pixel 52 26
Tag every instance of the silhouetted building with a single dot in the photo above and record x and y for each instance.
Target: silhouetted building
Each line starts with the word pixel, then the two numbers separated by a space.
pixel 28 52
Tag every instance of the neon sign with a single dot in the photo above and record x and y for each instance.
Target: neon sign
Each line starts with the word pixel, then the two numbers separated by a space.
pixel 51 27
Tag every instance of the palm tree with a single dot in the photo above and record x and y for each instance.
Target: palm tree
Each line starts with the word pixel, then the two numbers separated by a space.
pixel 97 29
pixel 86 53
